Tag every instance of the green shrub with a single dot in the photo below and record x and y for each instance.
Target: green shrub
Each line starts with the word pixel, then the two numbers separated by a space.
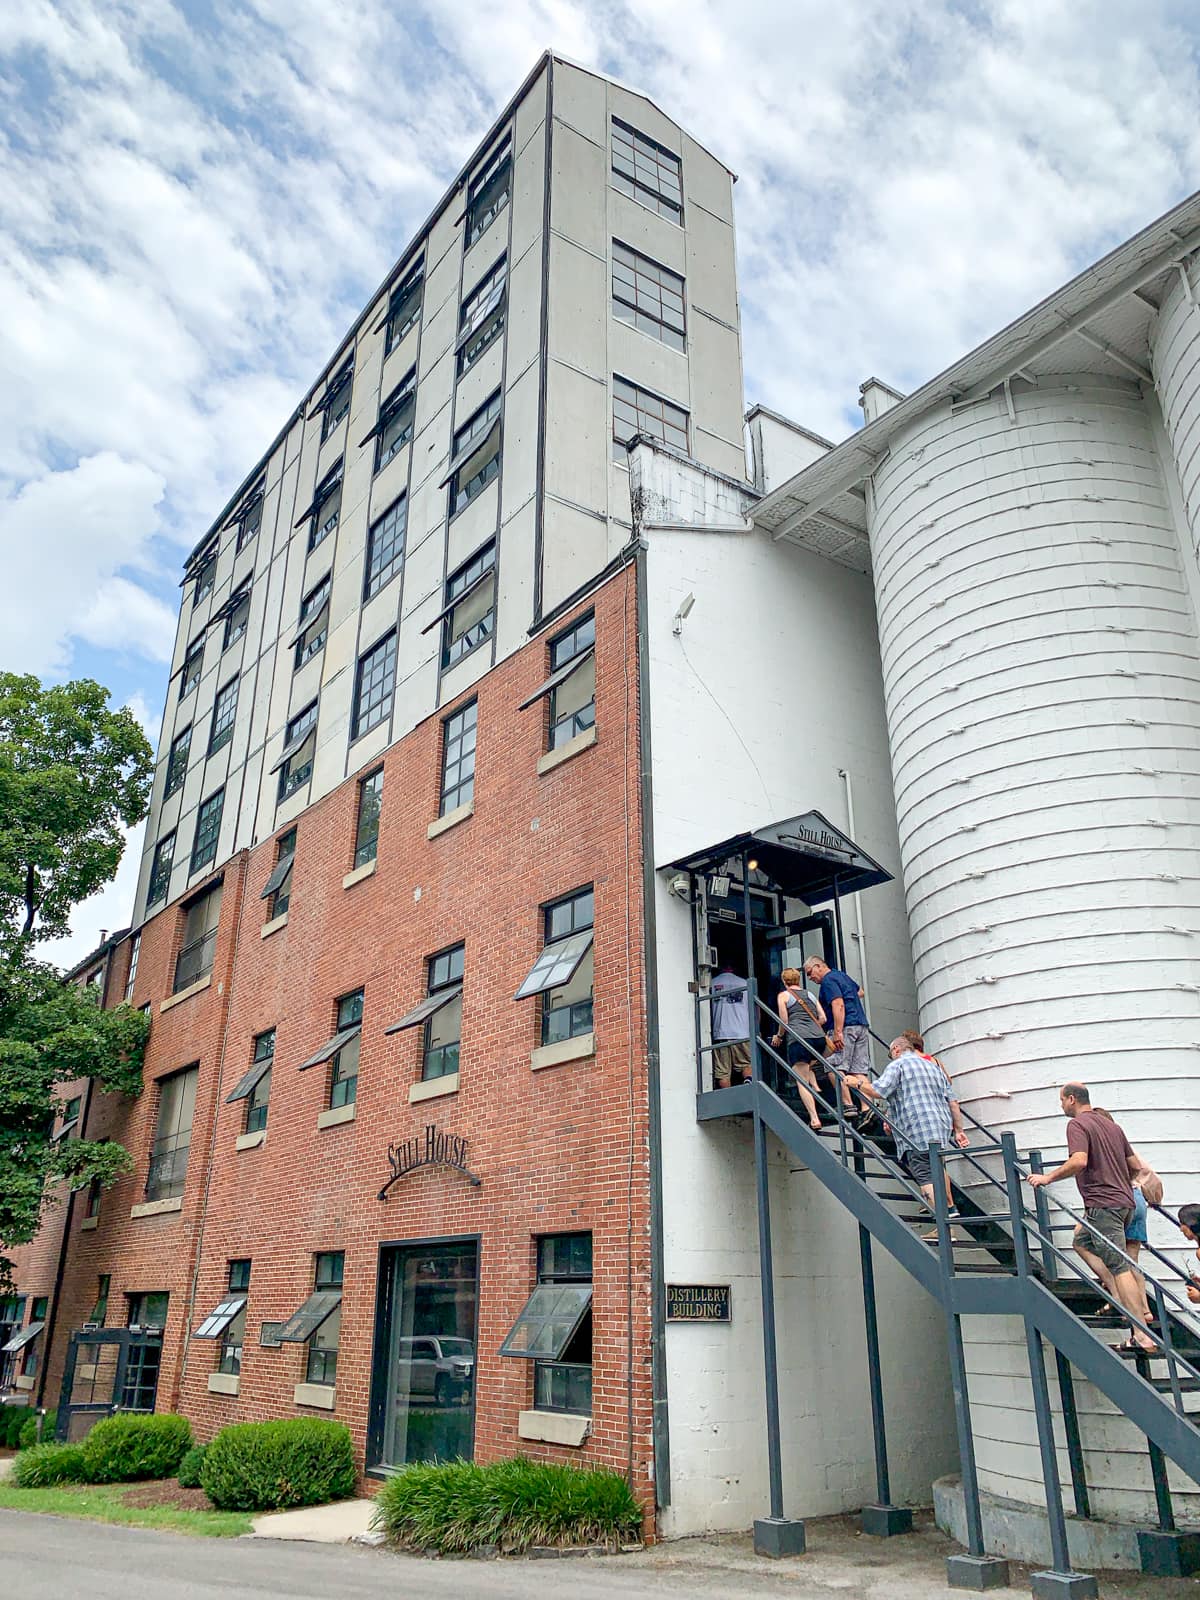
pixel 28 1435
pixel 12 1420
pixel 261 1466
pixel 126 1447
pixel 43 1465
pixel 457 1505
pixel 189 1468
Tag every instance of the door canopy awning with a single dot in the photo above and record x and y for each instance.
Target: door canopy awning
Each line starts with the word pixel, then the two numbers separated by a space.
pixel 804 857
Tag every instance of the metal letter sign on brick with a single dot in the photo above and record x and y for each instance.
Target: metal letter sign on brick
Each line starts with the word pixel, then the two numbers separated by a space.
pixel 434 1150
pixel 698 1302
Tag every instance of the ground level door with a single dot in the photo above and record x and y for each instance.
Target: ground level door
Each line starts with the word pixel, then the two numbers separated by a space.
pixel 423 1387
pixel 107 1370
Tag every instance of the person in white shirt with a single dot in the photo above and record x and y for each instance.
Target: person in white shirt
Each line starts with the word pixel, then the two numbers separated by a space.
pixel 730 1029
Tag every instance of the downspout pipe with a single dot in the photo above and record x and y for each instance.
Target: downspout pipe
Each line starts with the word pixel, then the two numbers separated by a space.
pixel 859 937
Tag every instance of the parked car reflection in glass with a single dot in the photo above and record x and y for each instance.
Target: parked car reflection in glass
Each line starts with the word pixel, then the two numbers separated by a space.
pixel 437 1367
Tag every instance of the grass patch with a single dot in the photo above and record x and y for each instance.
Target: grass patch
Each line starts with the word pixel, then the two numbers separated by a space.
pixel 457 1506
pixel 95 1502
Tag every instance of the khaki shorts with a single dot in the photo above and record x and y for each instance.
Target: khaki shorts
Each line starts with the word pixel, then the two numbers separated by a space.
pixel 730 1060
pixel 855 1054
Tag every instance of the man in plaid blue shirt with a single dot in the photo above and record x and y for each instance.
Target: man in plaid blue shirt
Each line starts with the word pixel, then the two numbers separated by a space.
pixel 921 1109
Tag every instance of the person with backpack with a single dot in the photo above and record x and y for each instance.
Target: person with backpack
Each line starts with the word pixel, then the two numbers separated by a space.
pixel 803 1027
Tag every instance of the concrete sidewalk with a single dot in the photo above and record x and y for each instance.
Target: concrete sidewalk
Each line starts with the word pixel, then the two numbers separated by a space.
pixel 332 1524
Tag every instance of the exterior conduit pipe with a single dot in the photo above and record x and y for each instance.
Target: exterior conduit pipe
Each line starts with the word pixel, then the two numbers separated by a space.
pixel 858 935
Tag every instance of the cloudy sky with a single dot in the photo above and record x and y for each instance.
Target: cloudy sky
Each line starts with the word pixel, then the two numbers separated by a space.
pixel 197 197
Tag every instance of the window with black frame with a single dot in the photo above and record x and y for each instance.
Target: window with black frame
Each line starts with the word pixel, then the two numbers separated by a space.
pixel 366 830
pixel 343 1067
pixel 135 950
pixel 177 761
pixel 295 762
pixel 259 1093
pixel 249 515
pixel 488 191
pixel 374 684
pixel 639 412
pixel 404 309
pixel 237 616
pixel 324 510
pixel 146 1313
pixel 198 939
pixel 321 1366
pixel 224 714
pixel 459 734
pixel 335 402
pixel 193 667
pixel 648 296
pixel 277 891
pixel 570 690
pixel 562 975
pixel 469 615
pixel 208 831
pixel 554 1329
pixel 476 458
pixel 385 548
pixel 227 1321
pixel 172 1135
pixel 205 577
pixel 646 171
pixel 313 622
pixel 160 870
pixel 443 1027
pixel 481 316
pixel 394 429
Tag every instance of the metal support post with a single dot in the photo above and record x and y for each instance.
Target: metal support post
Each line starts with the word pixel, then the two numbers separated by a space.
pixel 882 1519
pixel 1066 1390
pixel 1059 1579
pixel 1041 1205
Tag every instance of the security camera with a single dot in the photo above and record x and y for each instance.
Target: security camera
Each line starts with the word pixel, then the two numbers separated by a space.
pixel 679 886
pixel 684 611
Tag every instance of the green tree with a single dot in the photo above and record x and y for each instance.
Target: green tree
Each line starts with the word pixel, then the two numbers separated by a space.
pixel 74 774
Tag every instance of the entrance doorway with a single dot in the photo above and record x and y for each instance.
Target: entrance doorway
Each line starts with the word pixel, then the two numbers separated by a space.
pixel 776 946
pixel 107 1370
pixel 426 1328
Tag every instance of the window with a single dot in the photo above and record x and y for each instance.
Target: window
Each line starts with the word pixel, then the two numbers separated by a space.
pixel 177 761
pixel 469 614
pixel 404 309
pixel 385 548
pixel 224 711
pixel 94 1192
pixel 570 690
pixel 100 1310
pixel 208 828
pixel 318 1321
pixel 228 1321
pixel 38 1309
pixel 314 622
pixel 237 617
pixel 647 296
pixel 70 1118
pixel 147 1310
pixel 488 191
pixel 366 833
pixel 193 665
pixel 135 950
pixel 476 459
pixel 249 515
pixel 481 318
pixel 206 577
pixel 395 425
pixel 648 172
pixel 173 1135
pixel 277 891
pixel 343 1077
pixel 443 1029
pixel 324 509
pixel 95 980
pixel 554 1329
pixel 562 973
pixel 160 870
pixel 295 762
pixel 335 402
pixel 256 1100
pixel 143 1359
pixel 458 757
pixel 639 411
pixel 199 940
pixel 373 686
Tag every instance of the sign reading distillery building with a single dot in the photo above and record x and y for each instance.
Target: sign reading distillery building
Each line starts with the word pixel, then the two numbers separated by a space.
pixel 698 1302
pixel 433 1149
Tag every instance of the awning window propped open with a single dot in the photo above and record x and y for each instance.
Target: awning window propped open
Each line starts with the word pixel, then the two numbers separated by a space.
pixel 280 873
pixel 428 1008
pixel 329 1050
pixel 21 1339
pixel 557 678
pixel 556 964
pixel 217 1321
pixel 488 572
pixel 548 1322
pixel 302 1324
pixel 67 1128
pixel 250 1080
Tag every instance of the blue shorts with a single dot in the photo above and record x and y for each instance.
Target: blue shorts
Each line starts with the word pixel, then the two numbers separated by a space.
pixel 1135 1228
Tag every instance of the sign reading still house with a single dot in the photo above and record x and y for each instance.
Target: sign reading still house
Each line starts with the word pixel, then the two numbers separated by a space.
pixel 432 1149
pixel 698 1302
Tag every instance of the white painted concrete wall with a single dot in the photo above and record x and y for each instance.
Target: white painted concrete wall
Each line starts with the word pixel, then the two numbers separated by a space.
pixel 772 687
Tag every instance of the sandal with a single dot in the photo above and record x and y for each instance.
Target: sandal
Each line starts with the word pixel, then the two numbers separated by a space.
pixel 1130 1347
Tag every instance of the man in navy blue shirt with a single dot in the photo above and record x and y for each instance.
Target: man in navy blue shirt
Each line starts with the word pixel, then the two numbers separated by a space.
pixel 845 1020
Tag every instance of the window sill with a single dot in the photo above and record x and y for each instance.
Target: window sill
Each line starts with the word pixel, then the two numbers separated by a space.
pixel 22 1382
pixel 251 1141
pixel 224 1382
pixel 268 928
pixel 88 1224
pixel 573 747
pixel 157 1208
pixel 451 819
pixel 333 1116
pixel 367 870
pixel 186 994
pixel 433 1088
pixel 321 1395
pixel 554 1427
pixel 553 1055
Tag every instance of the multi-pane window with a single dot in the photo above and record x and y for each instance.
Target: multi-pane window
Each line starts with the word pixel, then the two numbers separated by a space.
pixel 38 1310
pixel 277 891
pixel 92 1208
pixel 458 757
pixel 234 1332
pixel 554 1329
pixel 481 318
pixel 646 171
pixel 385 547
pixel 373 686
pixel 144 1357
pixel 572 700
pixel 177 762
pixel 100 1310
pixel 323 1344
pixel 476 459
pixel 335 402
pixel 648 296
pixel 489 190
pixel 193 666
pixel 395 425
pixel 172 1135
pixel 469 614
pixel 147 1310
pixel 160 870
pixel 314 622
pixel 250 514
pixel 256 1100
pixel 224 712
pixel 404 309
pixel 198 939
pixel 366 833
pixel 295 762
pixel 343 1076
pixel 237 617
pixel 206 577
pixel 562 973
pixel 638 411
pixel 135 950
pixel 325 508
pixel 208 828
pixel 443 1028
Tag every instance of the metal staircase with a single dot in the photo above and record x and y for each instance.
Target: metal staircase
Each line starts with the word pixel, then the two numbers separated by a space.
pixel 999 1257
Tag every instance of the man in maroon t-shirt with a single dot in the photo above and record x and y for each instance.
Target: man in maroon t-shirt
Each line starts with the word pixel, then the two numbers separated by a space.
pixel 1101 1161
